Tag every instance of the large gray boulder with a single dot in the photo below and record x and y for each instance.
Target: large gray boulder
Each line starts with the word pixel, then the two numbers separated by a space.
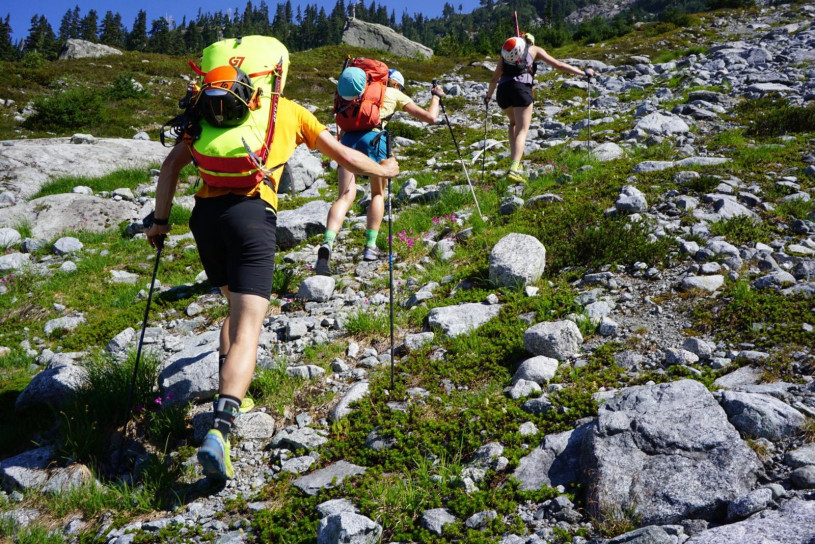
pixel 81 49
pixel 55 386
pixel 463 318
pixel 26 471
pixel 52 215
pixel 300 172
pixel 28 164
pixel 373 36
pixel 667 451
pixel 192 373
pixel 14 262
pixel 296 226
pixel 555 462
pixel 761 416
pixel 348 528
pixel 790 524
pixel 517 260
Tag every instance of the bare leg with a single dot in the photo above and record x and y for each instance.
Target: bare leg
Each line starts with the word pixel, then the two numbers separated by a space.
pixel 347 194
pixel 246 313
pixel 523 118
pixel 376 209
pixel 511 129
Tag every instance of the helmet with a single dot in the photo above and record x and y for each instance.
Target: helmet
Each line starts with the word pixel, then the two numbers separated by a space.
pixel 530 39
pixel 396 75
pixel 351 83
pixel 513 49
pixel 225 96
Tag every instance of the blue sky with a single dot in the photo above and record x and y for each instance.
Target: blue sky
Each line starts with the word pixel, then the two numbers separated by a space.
pixel 22 11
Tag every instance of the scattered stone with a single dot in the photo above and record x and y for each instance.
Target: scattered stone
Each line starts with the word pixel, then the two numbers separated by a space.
pixel 517 260
pixel 558 340
pixel 434 520
pixel 329 477
pixel 463 318
pixel 538 369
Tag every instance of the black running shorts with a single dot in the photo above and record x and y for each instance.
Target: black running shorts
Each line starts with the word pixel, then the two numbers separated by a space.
pixel 236 242
pixel 513 93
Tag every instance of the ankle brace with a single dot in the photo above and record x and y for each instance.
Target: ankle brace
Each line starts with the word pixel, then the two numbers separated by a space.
pixel 226 410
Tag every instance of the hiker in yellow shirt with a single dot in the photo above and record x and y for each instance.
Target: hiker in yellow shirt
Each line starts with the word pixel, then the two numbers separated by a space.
pixel 234 229
pixel 373 143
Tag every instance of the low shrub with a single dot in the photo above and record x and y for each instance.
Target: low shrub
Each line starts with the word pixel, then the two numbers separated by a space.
pixel 73 108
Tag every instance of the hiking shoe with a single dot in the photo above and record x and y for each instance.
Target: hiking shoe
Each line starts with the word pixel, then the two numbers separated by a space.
pixel 323 267
pixel 246 405
pixel 214 457
pixel 517 175
pixel 371 253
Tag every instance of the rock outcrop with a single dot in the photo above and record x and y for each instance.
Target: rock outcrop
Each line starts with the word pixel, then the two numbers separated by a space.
pixel 81 49
pixel 373 36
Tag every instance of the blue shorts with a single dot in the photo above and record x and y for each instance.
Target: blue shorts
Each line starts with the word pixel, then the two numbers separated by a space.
pixel 372 143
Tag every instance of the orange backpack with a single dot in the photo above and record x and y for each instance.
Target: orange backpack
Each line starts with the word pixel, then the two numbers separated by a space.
pixel 362 113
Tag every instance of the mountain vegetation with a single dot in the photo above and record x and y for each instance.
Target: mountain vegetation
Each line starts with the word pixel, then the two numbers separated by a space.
pixel 454 32
pixel 632 243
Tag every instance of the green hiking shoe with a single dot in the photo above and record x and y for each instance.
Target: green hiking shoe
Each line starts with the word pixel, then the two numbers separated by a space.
pixel 517 175
pixel 246 404
pixel 214 457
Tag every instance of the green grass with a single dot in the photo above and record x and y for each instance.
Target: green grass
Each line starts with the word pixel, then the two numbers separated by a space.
pixel 761 317
pixel 100 407
pixel 366 324
pixel 742 230
pixel 121 179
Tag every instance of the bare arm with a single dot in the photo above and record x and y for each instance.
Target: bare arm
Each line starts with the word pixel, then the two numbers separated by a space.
pixel 429 115
pixel 496 75
pixel 178 158
pixel 539 53
pixel 354 161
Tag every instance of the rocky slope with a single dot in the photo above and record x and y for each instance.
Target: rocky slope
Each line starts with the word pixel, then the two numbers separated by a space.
pixel 695 439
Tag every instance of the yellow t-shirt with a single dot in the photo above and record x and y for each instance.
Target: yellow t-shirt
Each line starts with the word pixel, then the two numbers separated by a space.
pixel 395 100
pixel 295 125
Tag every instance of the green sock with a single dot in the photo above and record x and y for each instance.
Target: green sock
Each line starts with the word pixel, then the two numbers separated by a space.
pixel 370 237
pixel 515 165
pixel 328 238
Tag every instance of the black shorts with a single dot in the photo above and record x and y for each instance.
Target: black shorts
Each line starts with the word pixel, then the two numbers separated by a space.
pixel 236 242
pixel 513 93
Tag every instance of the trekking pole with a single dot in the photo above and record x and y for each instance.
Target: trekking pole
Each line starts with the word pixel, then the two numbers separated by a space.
pixel 390 252
pixel 484 151
pixel 464 166
pixel 588 93
pixel 148 221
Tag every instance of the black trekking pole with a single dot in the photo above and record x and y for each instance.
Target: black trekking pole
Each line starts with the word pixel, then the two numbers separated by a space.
pixel 466 174
pixel 484 151
pixel 390 251
pixel 588 92
pixel 148 221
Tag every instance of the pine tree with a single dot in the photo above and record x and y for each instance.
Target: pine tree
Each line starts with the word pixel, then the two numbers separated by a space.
pixel 137 38
pixel 69 26
pixel 193 39
pixel 113 32
pixel 159 41
pixel 89 27
pixel 7 50
pixel 41 38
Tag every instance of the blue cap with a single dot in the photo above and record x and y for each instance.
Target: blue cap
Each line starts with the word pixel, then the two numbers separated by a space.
pixel 397 76
pixel 351 83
